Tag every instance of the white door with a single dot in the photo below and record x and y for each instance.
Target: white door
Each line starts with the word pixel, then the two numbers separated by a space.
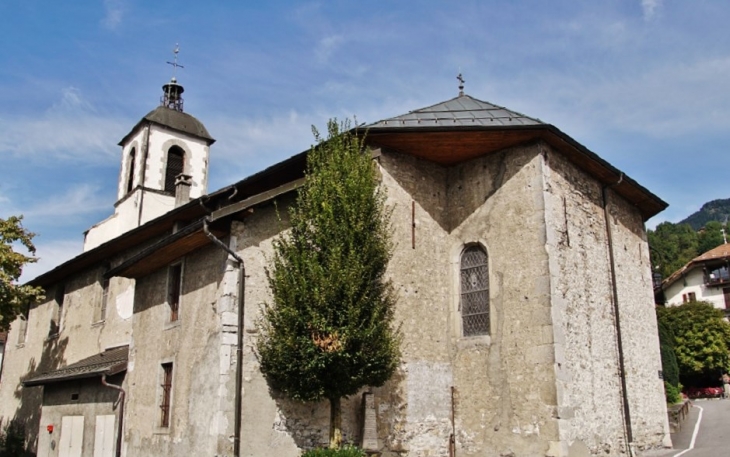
pixel 104 436
pixel 72 436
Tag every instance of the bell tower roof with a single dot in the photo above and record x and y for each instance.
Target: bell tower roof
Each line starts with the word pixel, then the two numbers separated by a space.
pixel 170 112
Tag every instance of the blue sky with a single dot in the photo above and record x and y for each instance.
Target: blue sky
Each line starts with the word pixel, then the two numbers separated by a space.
pixel 643 83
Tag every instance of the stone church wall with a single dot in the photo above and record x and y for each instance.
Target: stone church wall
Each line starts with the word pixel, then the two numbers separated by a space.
pixel 192 345
pixel 589 396
pixel 40 352
pixel 503 384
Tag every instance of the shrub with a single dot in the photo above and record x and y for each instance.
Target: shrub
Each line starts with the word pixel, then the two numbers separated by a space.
pixel 12 440
pixel 345 451
pixel 672 393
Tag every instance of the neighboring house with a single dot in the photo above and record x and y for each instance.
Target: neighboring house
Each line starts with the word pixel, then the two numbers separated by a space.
pixel 524 289
pixel 704 278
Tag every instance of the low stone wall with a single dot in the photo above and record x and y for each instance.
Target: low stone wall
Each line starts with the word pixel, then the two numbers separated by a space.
pixel 677 414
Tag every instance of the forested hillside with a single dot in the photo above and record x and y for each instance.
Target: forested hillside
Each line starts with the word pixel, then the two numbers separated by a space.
pixel 673 245
pixel 716 210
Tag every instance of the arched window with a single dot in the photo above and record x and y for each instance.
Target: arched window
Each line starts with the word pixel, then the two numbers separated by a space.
pixel 474 304
pixel 175 166
pixel 130 176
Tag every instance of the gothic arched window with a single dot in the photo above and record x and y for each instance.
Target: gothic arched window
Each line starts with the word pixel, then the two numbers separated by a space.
pixel 130 175
pixel 474 303
pixel 175 166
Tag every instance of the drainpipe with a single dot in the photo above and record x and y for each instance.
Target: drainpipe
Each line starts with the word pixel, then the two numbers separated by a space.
pixel 614 300
pixel 120 426
pixel 239 341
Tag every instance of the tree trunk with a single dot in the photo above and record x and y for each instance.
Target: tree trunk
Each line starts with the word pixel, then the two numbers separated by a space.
pixel 335 423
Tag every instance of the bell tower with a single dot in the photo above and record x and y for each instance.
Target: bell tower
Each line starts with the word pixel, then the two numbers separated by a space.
pixel 164 165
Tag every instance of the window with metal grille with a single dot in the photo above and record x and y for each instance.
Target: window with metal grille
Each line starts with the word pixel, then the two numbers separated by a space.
pixel 166 394
pixel 175 166
pixel 130 176
pixel 174 286
pixel 474 304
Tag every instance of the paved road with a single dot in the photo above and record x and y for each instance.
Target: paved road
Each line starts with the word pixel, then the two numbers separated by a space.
pixel 713 436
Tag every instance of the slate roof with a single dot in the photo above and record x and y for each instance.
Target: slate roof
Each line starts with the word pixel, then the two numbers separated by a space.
pixel 175 120
pixel 463 110
pixel 109 362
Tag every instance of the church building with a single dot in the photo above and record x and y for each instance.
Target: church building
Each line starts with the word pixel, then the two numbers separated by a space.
pixel 524 289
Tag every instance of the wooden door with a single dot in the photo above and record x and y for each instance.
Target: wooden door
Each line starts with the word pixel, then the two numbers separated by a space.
pixel 104 436
pixel 72 436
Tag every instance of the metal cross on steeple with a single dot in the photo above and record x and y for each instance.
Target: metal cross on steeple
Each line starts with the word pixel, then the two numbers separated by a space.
pixel 174 62
pixel 461 85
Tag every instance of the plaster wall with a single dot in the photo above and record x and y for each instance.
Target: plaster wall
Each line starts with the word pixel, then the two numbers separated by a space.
pixel 590 406
pixel 102 232
pixel 39 352
pixel 193 345
pixel 504 395
pixel 92 400
pixel 136 142
pixel 694 281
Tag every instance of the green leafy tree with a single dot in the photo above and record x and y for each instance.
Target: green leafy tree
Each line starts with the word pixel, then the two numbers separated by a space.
pixel 329 331
pixel 15 298
pixel 710 237
pixel 672 246
pixel 701 339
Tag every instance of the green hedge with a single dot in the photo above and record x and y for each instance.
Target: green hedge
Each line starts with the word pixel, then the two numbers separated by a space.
pixel 346 451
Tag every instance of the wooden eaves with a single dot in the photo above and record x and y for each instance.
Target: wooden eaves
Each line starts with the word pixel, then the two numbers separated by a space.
pixel 192 237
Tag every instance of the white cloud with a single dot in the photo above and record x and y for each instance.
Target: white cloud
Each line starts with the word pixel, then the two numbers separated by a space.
pixel 70 129
pixel 78 200
pixel 327 46
pixel 113 13
pixel 650 8
pixel 51 255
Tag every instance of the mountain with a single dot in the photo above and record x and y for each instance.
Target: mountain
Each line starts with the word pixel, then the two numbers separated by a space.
pixel 715 210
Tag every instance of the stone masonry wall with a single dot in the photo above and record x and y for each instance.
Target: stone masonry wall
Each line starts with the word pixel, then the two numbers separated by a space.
pixel 193 345
pixel 589 388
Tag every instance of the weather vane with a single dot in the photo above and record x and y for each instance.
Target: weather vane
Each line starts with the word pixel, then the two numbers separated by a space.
pixel 461 84
pixel 174 62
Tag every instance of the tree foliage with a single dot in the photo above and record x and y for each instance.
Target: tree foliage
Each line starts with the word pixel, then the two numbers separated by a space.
pixel 329 331
pixel 701 339
pixel 670 368
pixel 15 298
pixel 672 246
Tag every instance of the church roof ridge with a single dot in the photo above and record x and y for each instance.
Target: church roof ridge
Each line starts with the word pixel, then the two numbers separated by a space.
pixel 460 111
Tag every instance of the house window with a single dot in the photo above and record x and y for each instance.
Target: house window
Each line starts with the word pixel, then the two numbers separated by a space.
pixel 166 394
pixel 175 166
pixel 474 303
pixel 684 298
pixel 174 286
pixel 130 176
pixel 691 296
pixel 59 296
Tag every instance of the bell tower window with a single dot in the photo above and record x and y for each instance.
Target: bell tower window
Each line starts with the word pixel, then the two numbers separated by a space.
pixel 175 166
pixel 130 176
